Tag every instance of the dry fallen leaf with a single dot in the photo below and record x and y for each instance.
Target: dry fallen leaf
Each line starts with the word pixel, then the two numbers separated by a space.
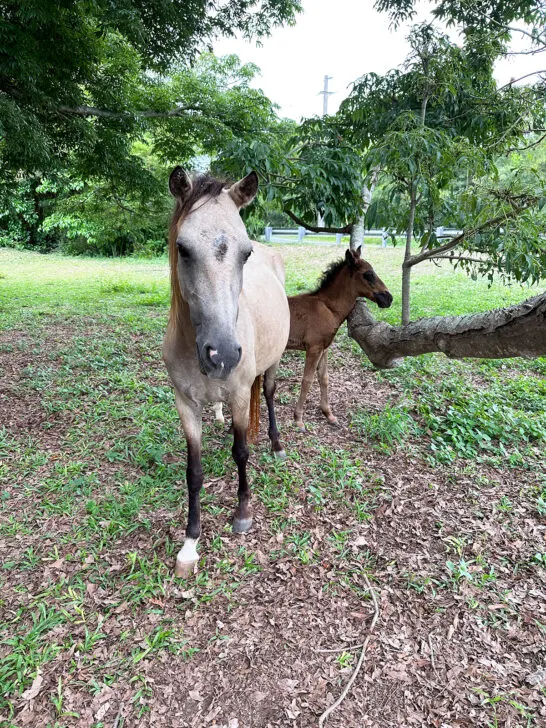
pixel 537 679
pixel 34 689
pixel 101 712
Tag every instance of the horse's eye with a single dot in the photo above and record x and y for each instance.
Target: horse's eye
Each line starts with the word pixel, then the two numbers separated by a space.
pixel 369 276
pixel 183 252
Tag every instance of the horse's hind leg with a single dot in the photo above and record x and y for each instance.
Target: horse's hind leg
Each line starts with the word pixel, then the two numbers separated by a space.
pixel 190 417
pixel 270 385
pixel 322 376
pixel 242 520
pixel 311 361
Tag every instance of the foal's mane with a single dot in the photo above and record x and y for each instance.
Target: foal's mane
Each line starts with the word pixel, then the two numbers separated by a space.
pixel 329 275
pixel 203 187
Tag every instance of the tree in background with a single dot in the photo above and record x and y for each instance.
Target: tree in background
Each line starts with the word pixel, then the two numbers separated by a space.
pixel 79 79
pixel 84 85
pixel 423 128
pixel 102 213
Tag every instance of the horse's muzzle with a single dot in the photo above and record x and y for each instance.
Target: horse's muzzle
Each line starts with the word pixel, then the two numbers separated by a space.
pixel 218 361
pixel 383 300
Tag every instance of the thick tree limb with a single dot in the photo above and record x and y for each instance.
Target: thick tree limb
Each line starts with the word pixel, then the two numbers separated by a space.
pixel 509 332
pixel 346 230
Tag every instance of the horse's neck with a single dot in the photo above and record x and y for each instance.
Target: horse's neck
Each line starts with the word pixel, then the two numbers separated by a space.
pixel 339 296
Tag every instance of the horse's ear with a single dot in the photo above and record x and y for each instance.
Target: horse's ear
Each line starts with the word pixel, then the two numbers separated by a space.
pixel 244 191
pixel 358 252
pixel 179 183
pixel 351 258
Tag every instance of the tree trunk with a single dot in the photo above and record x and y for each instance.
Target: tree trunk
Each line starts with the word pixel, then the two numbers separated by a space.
pixel 516 331
pixel 357 233
pixel 406 268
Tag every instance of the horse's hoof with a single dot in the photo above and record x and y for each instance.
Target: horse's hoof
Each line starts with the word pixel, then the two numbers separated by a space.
pixel 187 558
pixel 333 421
pixel 279 454
pixel 300 427
pixel 184 569
pixel 241 525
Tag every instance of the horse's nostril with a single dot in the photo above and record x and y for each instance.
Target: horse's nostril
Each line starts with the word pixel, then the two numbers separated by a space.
pixel 213 356
pixel 239 354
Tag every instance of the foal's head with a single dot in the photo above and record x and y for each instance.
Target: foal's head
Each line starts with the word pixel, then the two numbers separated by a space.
pixel 365 281
pixel 208 248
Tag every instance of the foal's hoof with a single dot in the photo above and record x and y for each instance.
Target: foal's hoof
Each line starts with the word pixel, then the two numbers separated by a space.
pixel 333 421
pixel 184 569
pixel 241 525
pixel 279 454
pixel 300 426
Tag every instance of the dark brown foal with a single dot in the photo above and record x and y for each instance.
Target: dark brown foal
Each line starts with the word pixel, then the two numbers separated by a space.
pixel 315 318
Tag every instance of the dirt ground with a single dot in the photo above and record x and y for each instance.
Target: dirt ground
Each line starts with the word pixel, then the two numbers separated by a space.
pixel 447 650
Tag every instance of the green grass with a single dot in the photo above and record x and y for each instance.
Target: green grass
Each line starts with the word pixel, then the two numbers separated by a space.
pixel 92 485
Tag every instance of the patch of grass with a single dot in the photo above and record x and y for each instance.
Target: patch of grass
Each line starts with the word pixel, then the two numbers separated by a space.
pixel 28 644
pixel 387 429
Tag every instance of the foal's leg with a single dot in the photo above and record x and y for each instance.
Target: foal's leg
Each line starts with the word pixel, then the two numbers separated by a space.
pixel 311 361
pixel 242 519
pixel 322 375
pixel 190 416
pixel 270 385
pixel 218 413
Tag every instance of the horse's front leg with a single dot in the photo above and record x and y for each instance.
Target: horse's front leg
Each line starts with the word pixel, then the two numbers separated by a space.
pixel 322 375
pixel 242 520
pixel 190 416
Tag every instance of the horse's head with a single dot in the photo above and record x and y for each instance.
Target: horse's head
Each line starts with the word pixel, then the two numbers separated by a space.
pixel 365 280
pixel 211 246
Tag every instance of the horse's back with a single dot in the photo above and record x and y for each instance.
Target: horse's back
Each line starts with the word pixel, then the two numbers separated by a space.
pixel 264 299
pixel 270 257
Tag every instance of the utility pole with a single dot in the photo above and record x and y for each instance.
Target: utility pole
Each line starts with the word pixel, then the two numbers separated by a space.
pixel 325 93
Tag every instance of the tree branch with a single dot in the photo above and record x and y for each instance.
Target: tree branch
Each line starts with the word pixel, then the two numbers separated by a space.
pixel 455 259
pixel 427 254
pixel 518 331
pixel 527 146
pixel 105 113
pixel 346 230
pixel 517 80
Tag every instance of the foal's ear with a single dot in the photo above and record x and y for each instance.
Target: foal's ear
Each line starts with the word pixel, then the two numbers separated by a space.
pixel 244 191
pixel 179 183
pixel 351 257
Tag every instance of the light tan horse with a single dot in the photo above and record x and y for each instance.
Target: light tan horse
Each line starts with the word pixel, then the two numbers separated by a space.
pixel 228 324
pixel 316 317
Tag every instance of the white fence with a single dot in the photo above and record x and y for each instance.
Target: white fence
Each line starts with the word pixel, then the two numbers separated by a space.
pixel 297 235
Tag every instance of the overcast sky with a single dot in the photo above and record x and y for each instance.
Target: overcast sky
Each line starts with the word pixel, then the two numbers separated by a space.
pixel 341 38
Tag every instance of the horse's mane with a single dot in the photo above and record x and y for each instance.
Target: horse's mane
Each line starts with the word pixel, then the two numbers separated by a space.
pixel 204 187
pixel 329 275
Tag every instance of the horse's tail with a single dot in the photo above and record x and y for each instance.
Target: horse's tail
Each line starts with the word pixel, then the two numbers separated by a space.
pixel 254 421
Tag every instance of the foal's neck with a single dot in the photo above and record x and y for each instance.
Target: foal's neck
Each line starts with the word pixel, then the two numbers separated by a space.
pixel 339 295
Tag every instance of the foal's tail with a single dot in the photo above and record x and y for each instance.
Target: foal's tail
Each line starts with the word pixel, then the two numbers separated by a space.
pixel 254 421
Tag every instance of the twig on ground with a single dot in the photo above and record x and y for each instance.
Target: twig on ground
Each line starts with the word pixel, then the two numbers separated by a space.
pixel 343 695
pixel 431 653
pixel 118 716
pixel 340 649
